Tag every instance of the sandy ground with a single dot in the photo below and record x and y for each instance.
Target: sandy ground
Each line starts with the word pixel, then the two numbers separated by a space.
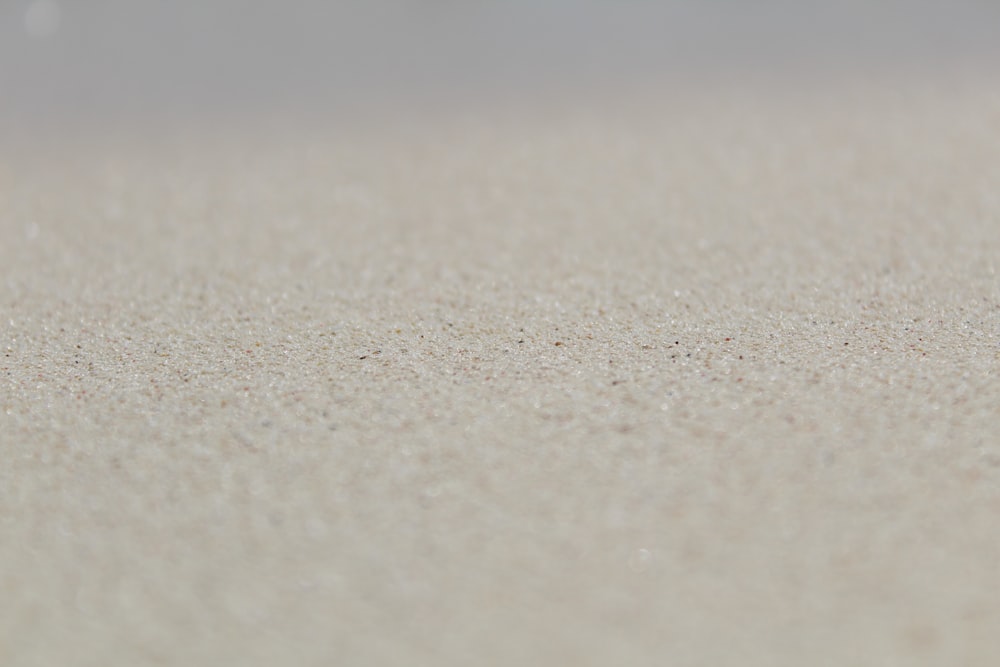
pixel 705 379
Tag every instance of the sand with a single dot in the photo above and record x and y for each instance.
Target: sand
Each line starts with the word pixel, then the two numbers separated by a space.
pixel 707 377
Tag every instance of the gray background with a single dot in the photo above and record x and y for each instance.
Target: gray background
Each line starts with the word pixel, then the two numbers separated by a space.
pixel 116 59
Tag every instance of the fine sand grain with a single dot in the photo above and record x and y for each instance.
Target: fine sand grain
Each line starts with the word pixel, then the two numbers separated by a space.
pixel 703 378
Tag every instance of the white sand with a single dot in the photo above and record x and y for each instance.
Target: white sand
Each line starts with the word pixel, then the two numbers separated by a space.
pixel 706 381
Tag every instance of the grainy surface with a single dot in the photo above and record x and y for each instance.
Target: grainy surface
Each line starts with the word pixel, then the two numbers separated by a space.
pixel 710 380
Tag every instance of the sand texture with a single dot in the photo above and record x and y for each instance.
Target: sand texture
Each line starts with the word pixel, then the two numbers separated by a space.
pixel 706 379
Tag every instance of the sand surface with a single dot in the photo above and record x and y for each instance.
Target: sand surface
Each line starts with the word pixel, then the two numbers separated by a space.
pixel 703 378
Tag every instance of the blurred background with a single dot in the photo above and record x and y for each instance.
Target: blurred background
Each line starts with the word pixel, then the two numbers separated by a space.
pixel 114 60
